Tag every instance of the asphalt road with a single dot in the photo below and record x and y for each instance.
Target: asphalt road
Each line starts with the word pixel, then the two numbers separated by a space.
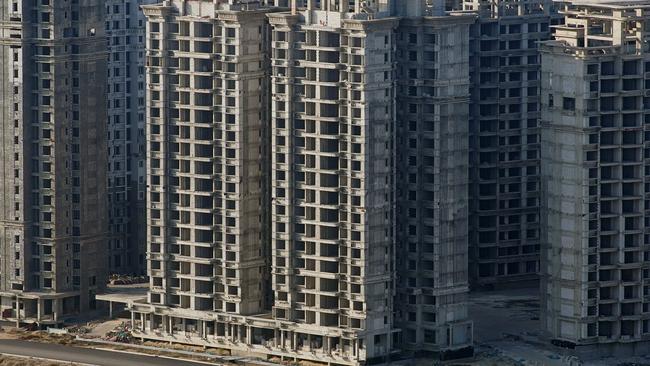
pixel 85 355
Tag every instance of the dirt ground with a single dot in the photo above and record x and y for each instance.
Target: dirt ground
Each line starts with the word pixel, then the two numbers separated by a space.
pixel 100 329
pixel 13 333
pixel 19 361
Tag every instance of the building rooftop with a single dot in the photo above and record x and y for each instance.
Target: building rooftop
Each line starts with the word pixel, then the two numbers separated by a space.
pixel 613 4
pixel 125 294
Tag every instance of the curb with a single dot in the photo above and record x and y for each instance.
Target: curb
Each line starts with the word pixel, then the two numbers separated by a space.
pixel 153 356
pixel 237 360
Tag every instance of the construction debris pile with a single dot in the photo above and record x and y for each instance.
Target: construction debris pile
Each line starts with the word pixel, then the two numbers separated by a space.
pixel 30 327
pixel 117 279
pixel 121 333
pixel 79 329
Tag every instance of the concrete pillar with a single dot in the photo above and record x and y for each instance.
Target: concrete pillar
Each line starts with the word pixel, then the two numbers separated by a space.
pixel 249 334
pixel 617 28
pixel 240 332
pixel 282 338
pixel 344 6
pixel 204 329
pixel 226 330
pixel 329 345
pixel 163 324
pixel 142 321
pixel 170 322
pixel 132 320
pixel 17 312
pixel 39 308
pixel 57 306
pixel 110 309
pixel 294 344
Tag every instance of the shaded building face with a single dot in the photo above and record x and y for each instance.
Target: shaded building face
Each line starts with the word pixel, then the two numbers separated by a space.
pixel 54 179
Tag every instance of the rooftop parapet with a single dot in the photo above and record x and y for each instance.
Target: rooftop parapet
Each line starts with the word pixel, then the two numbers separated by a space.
pixel 207 7
pixel 508 8
pixel 602 27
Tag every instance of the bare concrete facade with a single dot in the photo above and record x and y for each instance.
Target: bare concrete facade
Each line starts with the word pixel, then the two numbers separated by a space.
pixel 125 24
pixel 300 108
pixel 333 143
pixel 595 115
pixel 504 133
pixel 53 221
pixel 207 176
pixel 432 154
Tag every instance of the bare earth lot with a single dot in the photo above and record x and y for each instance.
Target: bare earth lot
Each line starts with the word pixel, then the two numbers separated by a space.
pixel 19 361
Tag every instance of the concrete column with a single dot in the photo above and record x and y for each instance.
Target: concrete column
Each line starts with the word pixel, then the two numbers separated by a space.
pixel 240 332
pixel 142 321
pixel 226 329
pixel 282 338
pixel 110 310
pixel 329 345
pixel 204 329
pixel 344 6
pixel 249 334
pixel 617 28
pixel 39 308
pixel 171 324
pixel 57 306
pixel 17 312
pixel 355 351
pixel 132 320
pixel 294 344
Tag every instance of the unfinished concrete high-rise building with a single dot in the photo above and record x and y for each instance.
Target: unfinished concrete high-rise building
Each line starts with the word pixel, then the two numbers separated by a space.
pixel 333 143
pixel 207 119
pixel 432 156
pixel 125 28
pixel 504 178
pixel 595 139
pixel 340 148
pixel 274 134
pixel 53 221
